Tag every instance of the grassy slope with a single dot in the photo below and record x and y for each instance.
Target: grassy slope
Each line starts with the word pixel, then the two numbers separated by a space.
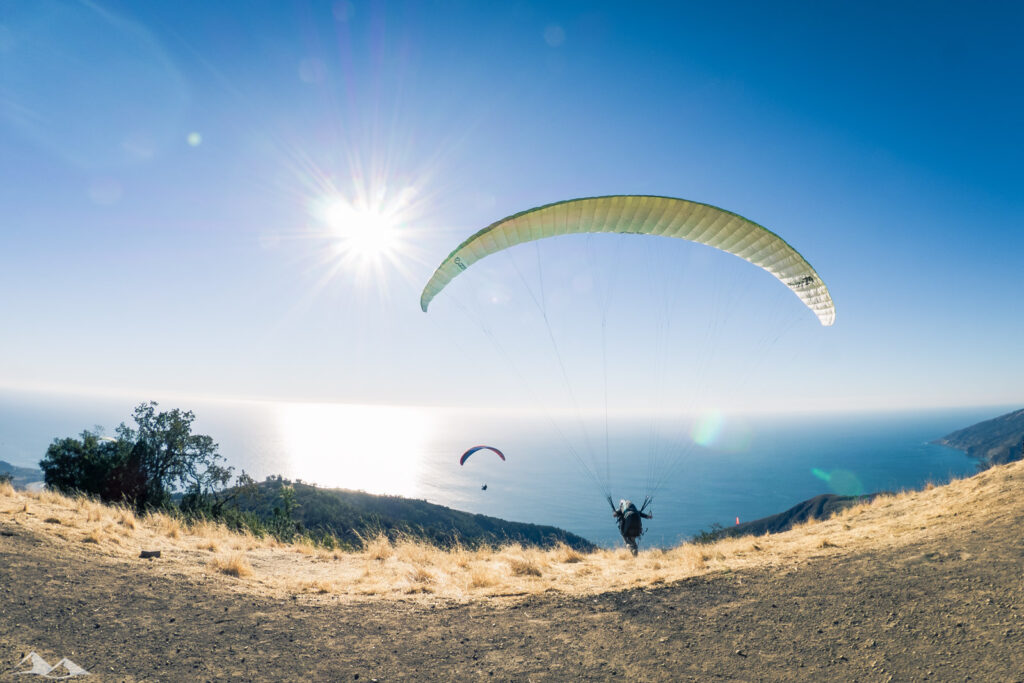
pixel 919 586
pixel 409 568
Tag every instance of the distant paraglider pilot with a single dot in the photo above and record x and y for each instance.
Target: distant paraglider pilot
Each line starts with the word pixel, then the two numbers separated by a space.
pixel 630 521
pixel 474 449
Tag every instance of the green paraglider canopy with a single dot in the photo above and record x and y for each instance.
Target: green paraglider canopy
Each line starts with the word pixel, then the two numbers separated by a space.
pixel 645 215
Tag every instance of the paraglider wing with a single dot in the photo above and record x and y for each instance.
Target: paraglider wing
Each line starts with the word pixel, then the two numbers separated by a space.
pixel 647 215
pixel 474 449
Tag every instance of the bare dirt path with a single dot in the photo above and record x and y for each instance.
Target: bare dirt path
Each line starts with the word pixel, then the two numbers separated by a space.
pixel 947 609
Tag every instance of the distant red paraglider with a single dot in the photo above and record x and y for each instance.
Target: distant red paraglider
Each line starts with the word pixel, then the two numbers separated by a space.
pixel 474 449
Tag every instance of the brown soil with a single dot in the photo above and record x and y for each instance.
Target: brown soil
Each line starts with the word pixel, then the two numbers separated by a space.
pixel 938 601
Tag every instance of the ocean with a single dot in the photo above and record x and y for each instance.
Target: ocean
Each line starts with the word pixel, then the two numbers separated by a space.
pixel 712 469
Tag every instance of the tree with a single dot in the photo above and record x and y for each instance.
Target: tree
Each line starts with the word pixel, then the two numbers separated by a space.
pixel 146 464
pixel 212 500
pixel 168 457
pixel 88 464
pixel 284 516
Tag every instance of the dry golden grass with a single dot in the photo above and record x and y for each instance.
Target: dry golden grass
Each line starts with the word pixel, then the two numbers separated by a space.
pixel 234 564
pixel 378 548
pixel 321 587
pixel 48 497
pixel 94 512
pixel 325 555
pixel 406 569
pixel 415 553
pixel 126 518
pixel 524 567
pixel 483 577
pixel 305 547
pixel 566 555
pixel 207 529
pixel 421 575
pixel 167 525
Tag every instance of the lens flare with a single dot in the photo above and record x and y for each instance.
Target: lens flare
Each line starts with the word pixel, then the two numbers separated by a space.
pixel 821 474
pixel 713 431
pixel 707 429
pixel 842 482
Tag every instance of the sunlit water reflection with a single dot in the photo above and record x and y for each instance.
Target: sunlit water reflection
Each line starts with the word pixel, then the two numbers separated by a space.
pixel 380 449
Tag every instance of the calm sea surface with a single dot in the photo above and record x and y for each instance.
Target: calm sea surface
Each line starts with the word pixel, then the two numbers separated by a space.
pixel 711 470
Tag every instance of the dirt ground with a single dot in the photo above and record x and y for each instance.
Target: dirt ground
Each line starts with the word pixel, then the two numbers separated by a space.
pixel 947 607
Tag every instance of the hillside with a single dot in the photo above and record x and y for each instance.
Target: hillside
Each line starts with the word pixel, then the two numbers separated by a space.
pixel 992 442
pixel 22 476
pixel 820 507
pixel 918 586
pixel 354 516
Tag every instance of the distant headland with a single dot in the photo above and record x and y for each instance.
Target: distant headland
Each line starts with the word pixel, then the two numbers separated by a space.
pixel 992 442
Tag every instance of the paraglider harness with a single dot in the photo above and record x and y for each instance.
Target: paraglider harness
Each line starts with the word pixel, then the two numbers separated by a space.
pixel 630 520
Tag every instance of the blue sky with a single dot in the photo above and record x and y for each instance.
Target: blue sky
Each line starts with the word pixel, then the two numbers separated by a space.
pixel 165 168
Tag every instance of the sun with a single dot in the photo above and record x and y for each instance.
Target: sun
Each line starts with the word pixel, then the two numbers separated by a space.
pixel 364 237
pixel 365 234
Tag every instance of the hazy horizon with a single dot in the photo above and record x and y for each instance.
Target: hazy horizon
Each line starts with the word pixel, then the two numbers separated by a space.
pixel 182 401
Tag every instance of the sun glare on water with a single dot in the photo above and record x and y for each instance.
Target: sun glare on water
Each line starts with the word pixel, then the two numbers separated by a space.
pixel 378 449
